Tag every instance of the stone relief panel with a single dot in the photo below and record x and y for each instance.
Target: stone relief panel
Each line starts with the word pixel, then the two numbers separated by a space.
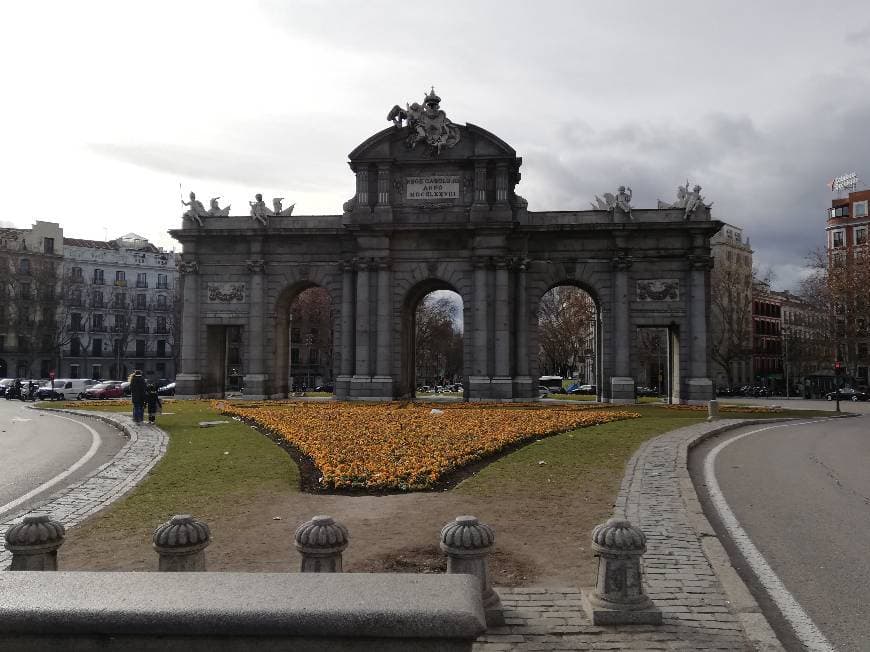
pixel 226 292
pixel 667 289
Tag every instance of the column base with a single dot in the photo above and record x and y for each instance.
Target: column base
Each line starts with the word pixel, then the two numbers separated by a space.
pixel 525 388
pixel 478 388
pixel 698 391
pixel 342 387
pixel 381 388
pixel 622 390
pixel 188 385
pixel 256 387
pixel 360 387
pixel 599 614
pixel 501 388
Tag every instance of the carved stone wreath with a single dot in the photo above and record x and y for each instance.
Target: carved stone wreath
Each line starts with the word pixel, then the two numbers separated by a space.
pixel 658 290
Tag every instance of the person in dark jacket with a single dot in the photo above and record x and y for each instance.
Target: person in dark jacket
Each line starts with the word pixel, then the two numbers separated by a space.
pixel 152 400
pixel 137 395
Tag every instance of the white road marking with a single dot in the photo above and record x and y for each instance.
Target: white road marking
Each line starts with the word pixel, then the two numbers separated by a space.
pixel 20 420
pixel 96 440
pixel 804 628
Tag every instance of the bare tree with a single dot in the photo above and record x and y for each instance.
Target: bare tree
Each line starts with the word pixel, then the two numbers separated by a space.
pixel 731 315
pixel 438 340
pixel 566 319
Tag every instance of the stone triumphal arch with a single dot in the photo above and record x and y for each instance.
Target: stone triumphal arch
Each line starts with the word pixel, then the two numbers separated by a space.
pixel 435 207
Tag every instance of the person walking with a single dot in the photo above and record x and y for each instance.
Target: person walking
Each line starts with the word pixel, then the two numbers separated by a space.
pixel 152 400
pixel 137 395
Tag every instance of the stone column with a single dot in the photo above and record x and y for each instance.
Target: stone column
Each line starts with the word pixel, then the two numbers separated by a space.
pixel 321 541
pixel 699 386
pixel 479 381
pixel 502 385
pixel 189 381
pixel 34 543
pixel 468 543
pixel 362 187
pixel 382 383
pixel 524 387
pixel 621 382
pixel 181 543
pixel 256 378
pixel 362 378
pixel 342 384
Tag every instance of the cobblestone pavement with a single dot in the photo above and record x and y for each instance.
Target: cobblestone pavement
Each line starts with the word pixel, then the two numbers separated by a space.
pixel 658 496
pixel 72 505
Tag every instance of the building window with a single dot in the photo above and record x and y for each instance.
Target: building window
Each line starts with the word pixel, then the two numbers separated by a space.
pixel 161 370
pixel 141 326
pixel 120 323
pixel 48 245
pixel 76 275
pixel 75 297
pixel 120 276
pixel 859 209
pixel 75 347
pixel 140 348
pixel 838 239
pixel 839 259
pixel 97 349
pixel 97 322
pixel 73 371
pixel 161 301
pixel 140 302
pixel 24 291
pixel 162 281
pixel 98 299
pixel 96 371
pixel 24 266
pixel 294 356
pixel 161 324
pixel 161 348
pixel 861 235
pixel 98 277
pixel 141 280
pixel 738 236
pixel 312 356
pixel 120 300
pixel 75 321
pixel 116 347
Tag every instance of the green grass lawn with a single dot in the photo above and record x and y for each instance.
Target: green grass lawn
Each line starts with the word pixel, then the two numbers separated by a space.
pixel 202 467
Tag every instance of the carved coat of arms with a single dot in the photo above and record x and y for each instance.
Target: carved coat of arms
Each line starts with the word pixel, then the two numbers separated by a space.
pixel 658 290
pixel 427 123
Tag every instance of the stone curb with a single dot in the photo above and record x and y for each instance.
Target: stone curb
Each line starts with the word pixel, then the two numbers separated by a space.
pixel 106 484
pixel 756 627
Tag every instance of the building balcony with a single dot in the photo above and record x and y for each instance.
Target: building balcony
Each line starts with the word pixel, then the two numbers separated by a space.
pixel 121 283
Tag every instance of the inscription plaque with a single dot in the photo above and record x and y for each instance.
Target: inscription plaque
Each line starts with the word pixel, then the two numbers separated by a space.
pixel 433 187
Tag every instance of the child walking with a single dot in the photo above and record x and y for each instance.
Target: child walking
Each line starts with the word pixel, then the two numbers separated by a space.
pixel 152 400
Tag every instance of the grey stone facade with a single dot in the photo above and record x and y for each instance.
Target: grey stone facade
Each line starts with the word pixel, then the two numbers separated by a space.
pixel 422 220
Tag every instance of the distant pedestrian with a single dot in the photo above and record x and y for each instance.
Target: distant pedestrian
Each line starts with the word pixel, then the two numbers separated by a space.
pixel 152 400
pixel 137 395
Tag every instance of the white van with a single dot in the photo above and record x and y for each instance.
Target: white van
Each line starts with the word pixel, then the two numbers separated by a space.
pixel 64 388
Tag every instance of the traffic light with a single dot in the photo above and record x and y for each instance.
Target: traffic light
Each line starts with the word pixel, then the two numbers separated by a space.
pixel 838 368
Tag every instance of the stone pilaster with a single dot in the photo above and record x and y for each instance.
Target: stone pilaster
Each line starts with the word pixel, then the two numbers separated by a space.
pixel 479 209
pixel 256 378
pixel 479 381
pixel 342 384
pixel 362 188
pixel 362 378
pixel 502 385
pixel 699 386
pixel 524 385
pixel 382 383
pixel 621 382
pixel 189 381
pixel 383 210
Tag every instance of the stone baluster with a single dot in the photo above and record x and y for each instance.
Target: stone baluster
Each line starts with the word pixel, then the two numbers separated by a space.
pixel 468 543
pixel 618 597
pixel 34 543
pixel 321 541
pixel 181 543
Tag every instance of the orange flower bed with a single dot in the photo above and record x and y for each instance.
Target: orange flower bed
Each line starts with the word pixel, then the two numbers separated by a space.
pixel 405 446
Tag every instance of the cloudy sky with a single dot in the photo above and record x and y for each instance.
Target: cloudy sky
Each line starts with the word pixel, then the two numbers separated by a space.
pixel 108 107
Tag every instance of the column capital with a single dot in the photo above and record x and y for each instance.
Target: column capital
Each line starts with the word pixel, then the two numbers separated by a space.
pixel 621 262
pixel 188 267
pixel 481 262
pixel 700 262
pixel 382 263
pixel 256 266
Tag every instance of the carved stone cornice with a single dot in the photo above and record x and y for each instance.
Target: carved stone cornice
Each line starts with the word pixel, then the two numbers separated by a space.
pixel 382 263
pixel 256 266
pixel 188 267
pixel 621 263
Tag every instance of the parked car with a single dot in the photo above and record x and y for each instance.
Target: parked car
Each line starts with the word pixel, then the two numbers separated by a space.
pixel 320 388
pixel 583 389
pixel 542 390
pixel 166 390
pixel 5 383
pixel 107 389
pixel 647 391
pixel 846 394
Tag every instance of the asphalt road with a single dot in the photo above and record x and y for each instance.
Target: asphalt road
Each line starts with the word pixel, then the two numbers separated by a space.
pixel 37 449
pixel 802 495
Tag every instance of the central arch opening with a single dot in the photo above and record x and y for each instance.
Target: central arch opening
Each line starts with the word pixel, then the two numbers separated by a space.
pixel 305 342
pixel 568 343
pixel 433 362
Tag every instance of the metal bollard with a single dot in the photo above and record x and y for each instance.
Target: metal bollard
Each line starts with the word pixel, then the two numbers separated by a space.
pixel 321 541
pixel 181 543
pixel 618 597
pixel 468 543
pixel 34 543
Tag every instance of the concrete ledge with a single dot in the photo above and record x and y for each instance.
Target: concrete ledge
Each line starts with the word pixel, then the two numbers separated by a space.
pixel 335 611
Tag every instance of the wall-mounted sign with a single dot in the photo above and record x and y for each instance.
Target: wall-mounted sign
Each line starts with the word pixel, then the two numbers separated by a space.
pixel 434 187
pixel 844 182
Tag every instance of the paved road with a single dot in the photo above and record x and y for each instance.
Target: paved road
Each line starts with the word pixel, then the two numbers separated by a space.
pixel 802 495
pixel 861 407
pixel 38 448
